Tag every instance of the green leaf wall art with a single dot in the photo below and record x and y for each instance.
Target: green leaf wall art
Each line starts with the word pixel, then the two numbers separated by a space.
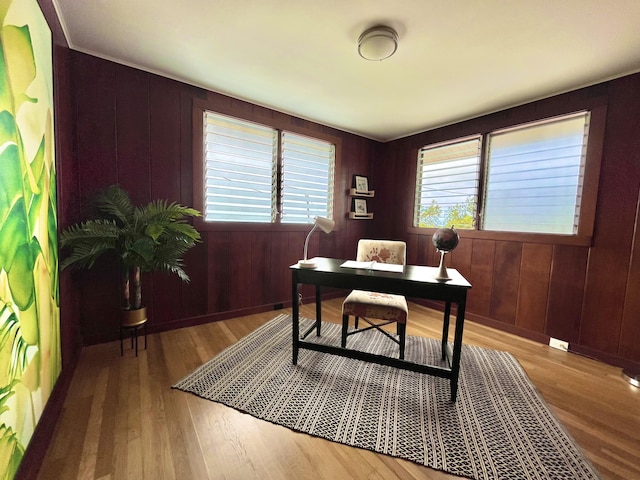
pixel 30 358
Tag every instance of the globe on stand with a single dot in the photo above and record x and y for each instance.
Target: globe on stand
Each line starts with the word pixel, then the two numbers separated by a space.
pixel 445 240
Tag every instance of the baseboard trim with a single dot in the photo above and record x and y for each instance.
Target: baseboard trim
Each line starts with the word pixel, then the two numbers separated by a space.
pixel 208 318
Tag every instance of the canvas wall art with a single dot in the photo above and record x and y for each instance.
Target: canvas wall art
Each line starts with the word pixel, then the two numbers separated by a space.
pixel 30 359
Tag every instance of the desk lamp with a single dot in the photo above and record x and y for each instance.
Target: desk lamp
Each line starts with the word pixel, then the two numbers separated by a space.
pixel 326 225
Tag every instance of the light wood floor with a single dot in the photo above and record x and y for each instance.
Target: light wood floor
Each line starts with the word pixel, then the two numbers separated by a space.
pixel 122 420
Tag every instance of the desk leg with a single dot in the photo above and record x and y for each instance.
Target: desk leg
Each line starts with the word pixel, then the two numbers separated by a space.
pixel 318 311
pixel 295 319
pixel 445 328
pixel 457 347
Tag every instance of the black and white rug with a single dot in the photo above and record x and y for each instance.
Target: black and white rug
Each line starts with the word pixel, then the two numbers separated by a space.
pixel 499 428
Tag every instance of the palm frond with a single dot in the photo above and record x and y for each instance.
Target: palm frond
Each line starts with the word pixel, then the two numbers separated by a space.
pixel 91 230
pixel 175 268
pixel 114 203
pixel 84 255
pixel 184 230
pixel 163 212
pixel 140 253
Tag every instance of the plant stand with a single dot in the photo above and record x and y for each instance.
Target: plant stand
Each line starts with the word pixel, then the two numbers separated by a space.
pixel 132 322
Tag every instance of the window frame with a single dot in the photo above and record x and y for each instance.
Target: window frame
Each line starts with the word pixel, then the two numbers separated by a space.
pixel 589 189
pixel 269 118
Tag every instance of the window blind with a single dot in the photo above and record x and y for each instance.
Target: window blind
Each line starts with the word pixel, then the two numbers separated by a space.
pixel 535 175
pixel 447 184
pixel 240 170
pixel 307 178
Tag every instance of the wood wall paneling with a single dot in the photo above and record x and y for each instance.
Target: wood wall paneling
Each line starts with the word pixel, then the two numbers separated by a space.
pixel 630 333
pixel 481 277
pixel 95 126
pixel 165 132
pixel 186 144
pixel 261 267
pixel 219 271
pixel 506 278
pixel 133 142
pixel 195 293
pixel 533 289
pixel 241 277
pixel 57 32
pixel 412 249
pixel 617 201
pixel 427 252
pixel 279 277
pixel 99 292
pixel 461 257
pixel 566 292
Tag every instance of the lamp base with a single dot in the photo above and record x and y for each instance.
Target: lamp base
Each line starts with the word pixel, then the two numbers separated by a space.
pixel 632 377
pixel 307 264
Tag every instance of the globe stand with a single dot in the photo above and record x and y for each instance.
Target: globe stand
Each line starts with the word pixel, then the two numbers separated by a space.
pixel 442 275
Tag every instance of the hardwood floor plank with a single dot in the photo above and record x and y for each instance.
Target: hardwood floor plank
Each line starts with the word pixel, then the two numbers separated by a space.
pixel 121 418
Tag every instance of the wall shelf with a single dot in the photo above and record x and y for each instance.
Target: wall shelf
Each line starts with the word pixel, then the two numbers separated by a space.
pixel 355 193
pixel 364 216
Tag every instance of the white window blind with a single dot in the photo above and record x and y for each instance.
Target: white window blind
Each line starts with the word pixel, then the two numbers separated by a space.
pixel 240 170
pixel 447 184
pixel 252 172
pixel 307 178
pixel 534 176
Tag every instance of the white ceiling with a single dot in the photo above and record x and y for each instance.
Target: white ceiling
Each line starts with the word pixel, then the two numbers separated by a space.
pixel 457 59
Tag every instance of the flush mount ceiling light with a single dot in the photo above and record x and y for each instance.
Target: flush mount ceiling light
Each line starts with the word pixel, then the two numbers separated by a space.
pixel 378 43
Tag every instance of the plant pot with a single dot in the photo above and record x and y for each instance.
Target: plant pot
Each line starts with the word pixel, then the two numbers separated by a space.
pixel 134 318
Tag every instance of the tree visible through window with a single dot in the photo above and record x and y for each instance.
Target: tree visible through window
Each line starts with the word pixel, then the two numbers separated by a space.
pixel 447 184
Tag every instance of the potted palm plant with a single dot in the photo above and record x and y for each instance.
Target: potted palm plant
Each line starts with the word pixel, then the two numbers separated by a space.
pixel 147 238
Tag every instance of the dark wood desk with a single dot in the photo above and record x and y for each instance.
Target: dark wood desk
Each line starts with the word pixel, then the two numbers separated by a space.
pixel 416 281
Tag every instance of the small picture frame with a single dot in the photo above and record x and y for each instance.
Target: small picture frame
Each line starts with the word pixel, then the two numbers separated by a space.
pixel 361 183
pixel 359 206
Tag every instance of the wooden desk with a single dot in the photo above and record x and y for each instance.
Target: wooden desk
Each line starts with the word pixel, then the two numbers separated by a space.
pixel 416 281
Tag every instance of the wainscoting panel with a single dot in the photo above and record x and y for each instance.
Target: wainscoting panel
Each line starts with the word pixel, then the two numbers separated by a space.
pixel 533 290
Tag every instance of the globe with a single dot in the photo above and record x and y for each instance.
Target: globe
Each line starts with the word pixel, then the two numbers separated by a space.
pixel 445 239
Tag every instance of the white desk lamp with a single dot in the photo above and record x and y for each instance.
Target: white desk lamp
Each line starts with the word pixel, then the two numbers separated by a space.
pixel 326 225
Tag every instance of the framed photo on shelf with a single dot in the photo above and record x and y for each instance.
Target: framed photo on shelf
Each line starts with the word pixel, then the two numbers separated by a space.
pixel 361 183
pixel 359 206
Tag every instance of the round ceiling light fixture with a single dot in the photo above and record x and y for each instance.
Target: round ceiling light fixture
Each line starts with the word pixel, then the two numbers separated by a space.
pixel 378 43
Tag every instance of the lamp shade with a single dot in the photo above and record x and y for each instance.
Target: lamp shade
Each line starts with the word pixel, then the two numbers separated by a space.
pixel 326 225
pixel 378 43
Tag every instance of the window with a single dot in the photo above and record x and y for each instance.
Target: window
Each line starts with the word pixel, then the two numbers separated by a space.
pixel 535 175
pixel 255 173
pixel 529 180
pixel 307 178
pixel 447 184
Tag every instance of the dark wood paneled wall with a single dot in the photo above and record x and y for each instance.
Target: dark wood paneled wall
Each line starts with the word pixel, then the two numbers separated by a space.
pixel 135 129
pixel 586 295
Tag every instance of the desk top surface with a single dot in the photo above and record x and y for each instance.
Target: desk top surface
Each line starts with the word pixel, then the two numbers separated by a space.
pixel 411 273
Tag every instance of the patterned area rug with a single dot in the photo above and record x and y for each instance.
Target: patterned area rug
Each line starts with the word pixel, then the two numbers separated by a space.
pixel 499 428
